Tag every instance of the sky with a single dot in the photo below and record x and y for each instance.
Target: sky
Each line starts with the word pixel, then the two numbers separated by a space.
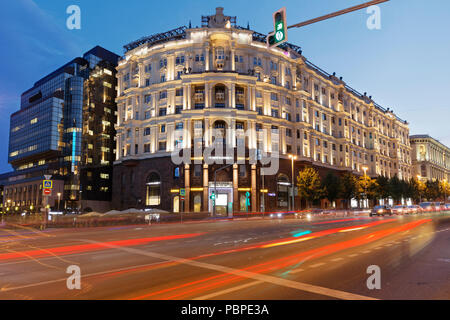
pixel 404 65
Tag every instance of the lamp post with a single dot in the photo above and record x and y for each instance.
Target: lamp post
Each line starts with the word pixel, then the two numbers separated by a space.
pixel 365 184
pixel 59 200
pixel 419 180
pixel 292 157
pixel 445 190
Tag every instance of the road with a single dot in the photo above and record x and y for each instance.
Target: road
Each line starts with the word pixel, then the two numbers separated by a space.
pixel 286 259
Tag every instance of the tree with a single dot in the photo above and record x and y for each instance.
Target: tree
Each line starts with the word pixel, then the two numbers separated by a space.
pixel 332 187
pixel 396 189
pixel 349 187
pixel 445 189
pixel 415 190
pixel 309 185
pixel 367 187
pixel 432 190
pixel 383 187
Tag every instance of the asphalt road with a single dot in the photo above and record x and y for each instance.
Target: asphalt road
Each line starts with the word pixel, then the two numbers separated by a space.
pixel 288 259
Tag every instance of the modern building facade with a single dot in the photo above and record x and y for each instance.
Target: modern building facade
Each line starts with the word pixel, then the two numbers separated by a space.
pixel 219 86
pixel 430 158
pixel 63 119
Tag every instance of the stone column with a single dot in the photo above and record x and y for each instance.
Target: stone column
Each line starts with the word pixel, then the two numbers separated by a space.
pixel 205 188
pixel 187 185
pixel 236 202
pixel 254 191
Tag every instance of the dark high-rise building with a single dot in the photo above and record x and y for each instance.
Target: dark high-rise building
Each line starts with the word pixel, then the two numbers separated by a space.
pixel 62 118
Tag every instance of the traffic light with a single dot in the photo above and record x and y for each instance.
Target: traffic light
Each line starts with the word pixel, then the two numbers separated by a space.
pixel 213 196
pixel 280 35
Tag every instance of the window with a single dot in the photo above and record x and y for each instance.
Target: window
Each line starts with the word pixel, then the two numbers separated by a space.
pixel 288 132
pixel 153 190
pixel 162 146
pixel 197 170
pixel 275 113
pixel 273 80
pixel 242 170
pixel 179 92
pixel 179 126
pixel 148 98
pixel 147 131
pixel 147 82
pixel 179 60
pixel 274 96
pixel 163 78
pixel 162 112
pixel 162 63
pixel 162 128
pixel 176 173
pixel 178 109
pixel 179 74
pixel 162 95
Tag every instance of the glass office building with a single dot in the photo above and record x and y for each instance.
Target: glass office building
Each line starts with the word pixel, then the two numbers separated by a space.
pixel 46 134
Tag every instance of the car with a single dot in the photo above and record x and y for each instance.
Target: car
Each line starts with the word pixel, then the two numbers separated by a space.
pixel 381 211
pixel 399 209
pixel 414 209
pixel 427 206
pixel 447 207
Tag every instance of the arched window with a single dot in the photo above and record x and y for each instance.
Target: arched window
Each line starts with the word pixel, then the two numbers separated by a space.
pixel 153 190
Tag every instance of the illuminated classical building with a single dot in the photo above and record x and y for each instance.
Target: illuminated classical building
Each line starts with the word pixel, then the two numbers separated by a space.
pixel 222 77
pixel 430 158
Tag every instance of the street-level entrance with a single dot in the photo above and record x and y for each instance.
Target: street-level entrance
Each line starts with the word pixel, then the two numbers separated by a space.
pixel 224 198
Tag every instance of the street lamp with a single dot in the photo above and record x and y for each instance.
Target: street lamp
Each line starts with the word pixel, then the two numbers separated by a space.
pixel 292 157
pixel 59 200
pixel 365 183
pixel 419 178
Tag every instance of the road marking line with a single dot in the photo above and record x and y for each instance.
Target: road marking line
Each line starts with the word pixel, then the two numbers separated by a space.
pixel 317 265
pixel 367 251
pixel 244 274
pixel 296 271
pixel 85 275
pixel 219 293
pixel 352 255
pixel 337 259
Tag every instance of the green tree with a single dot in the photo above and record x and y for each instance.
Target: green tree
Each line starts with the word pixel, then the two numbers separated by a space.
pixel 367 187
pixel 349 185
pixel 432 190
pixel 445 190
pixel 383 187
pixel 332 187
pixel 309 185
pixel 396 189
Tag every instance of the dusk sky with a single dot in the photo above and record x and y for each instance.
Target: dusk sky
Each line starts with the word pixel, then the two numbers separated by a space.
pixel 404 66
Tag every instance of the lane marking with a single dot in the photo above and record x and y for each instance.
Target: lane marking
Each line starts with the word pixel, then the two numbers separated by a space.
pixel 317 265
pixel 352 255
pixel 337 259
pixel 244 274
pixel 220 293
pixel 86 275
pixel 297 271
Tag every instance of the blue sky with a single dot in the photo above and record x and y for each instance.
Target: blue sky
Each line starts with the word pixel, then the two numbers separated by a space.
pixel 404 66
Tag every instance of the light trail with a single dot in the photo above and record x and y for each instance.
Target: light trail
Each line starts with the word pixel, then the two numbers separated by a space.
pixel 227 278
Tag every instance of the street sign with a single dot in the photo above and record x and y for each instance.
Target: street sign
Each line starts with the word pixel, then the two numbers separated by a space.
pixel 47 177
pixel 48 184
pixel 182 192
pixel 279 36
pixel 47 192
pixel 182 198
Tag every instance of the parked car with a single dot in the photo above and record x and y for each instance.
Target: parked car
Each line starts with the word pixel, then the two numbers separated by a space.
pixel 381 211
pixel 427 206
pixel 414 209
pixel 399 209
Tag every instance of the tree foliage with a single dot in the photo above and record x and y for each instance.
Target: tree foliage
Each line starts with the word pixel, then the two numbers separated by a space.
pixel 309 185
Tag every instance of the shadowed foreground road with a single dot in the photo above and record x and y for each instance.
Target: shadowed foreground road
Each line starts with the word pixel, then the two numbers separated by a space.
pixel 254 259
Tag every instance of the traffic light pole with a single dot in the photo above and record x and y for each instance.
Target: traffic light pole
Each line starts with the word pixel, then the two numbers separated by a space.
pixel 337 13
